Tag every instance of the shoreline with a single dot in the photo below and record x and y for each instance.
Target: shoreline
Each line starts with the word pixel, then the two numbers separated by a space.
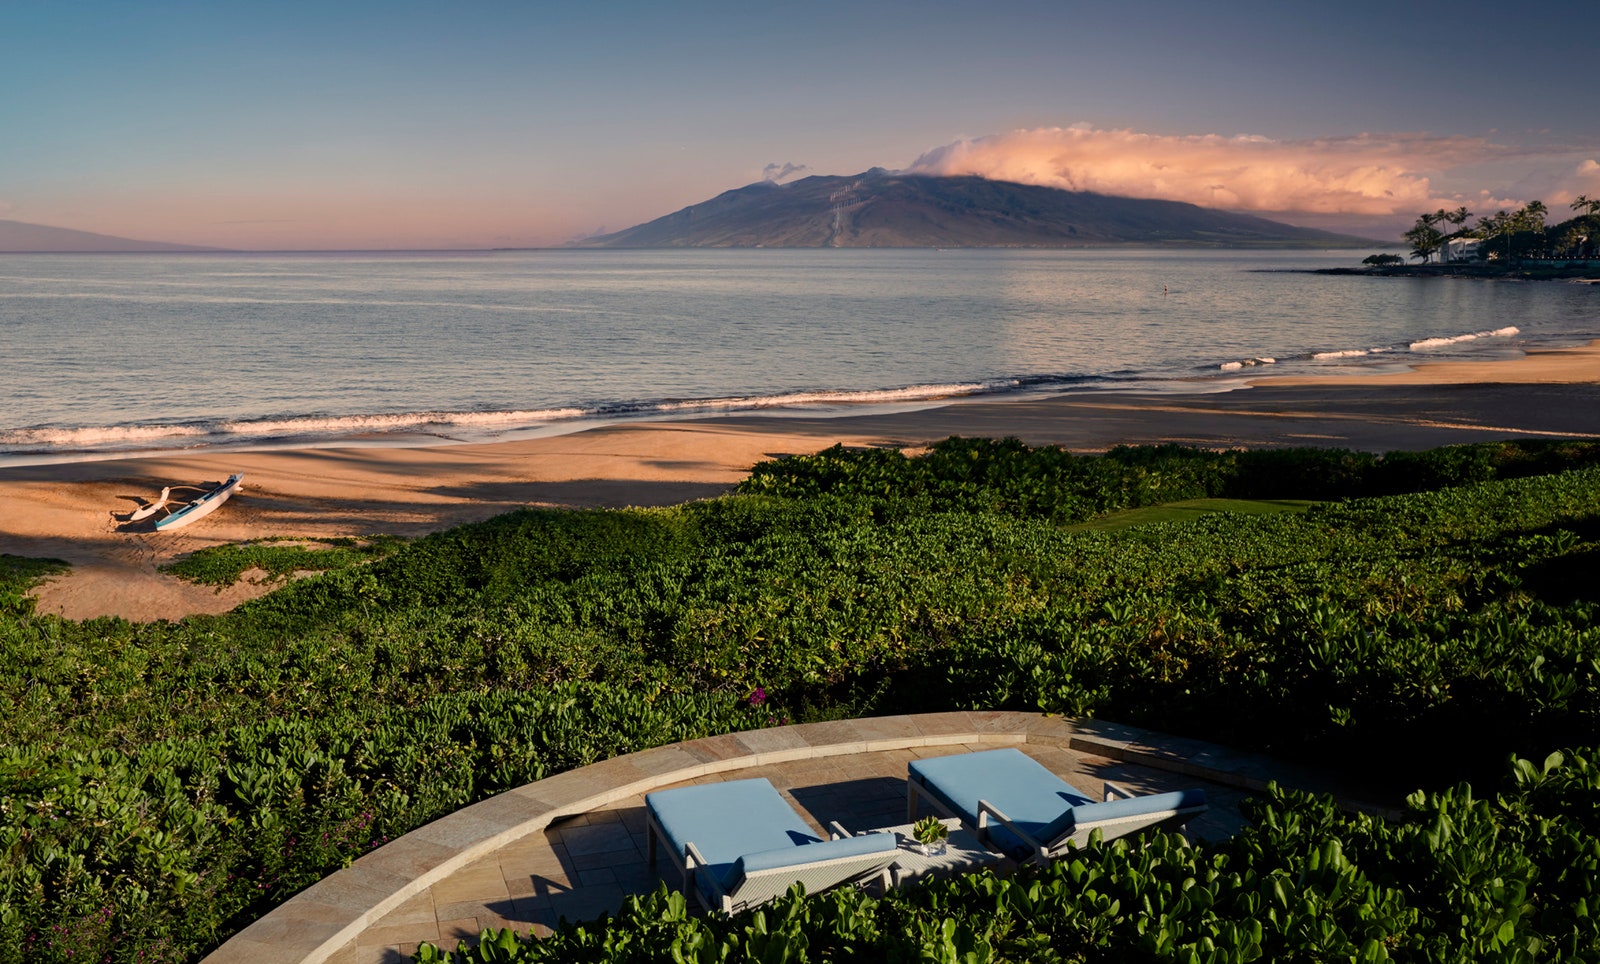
pixel 76 511
pixel 438 429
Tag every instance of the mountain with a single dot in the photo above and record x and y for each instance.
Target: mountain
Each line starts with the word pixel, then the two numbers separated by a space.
pixel 19 237
pixel 881 209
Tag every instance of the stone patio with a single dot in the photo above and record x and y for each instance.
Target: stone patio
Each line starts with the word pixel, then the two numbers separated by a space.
pixel 573 846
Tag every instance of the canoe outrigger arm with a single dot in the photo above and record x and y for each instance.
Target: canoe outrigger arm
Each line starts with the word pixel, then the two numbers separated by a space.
pixel 145 512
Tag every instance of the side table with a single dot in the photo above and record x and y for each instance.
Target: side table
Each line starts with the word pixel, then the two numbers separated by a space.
pixel 962 854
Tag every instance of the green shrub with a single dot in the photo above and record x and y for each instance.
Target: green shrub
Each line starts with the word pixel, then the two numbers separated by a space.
pixel 1049 482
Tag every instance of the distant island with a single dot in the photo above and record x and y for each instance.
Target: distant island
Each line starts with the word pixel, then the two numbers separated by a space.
pixel 882 209
pixel 19 237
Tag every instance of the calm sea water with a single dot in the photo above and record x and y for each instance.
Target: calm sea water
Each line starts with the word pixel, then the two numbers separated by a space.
pixel 118 353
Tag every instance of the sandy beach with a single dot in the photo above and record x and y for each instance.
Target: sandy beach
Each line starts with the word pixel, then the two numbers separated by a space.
pixel 78 511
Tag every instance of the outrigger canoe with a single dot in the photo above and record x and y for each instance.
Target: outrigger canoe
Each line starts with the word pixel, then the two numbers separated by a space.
pixel 201 507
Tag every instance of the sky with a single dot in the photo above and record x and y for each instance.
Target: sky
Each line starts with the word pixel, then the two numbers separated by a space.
pixel 476 123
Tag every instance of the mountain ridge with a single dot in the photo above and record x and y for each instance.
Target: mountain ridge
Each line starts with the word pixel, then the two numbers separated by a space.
pixel 20 237
pixel 880 208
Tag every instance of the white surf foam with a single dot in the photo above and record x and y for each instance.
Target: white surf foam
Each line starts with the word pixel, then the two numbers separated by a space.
pixel 96 436
pixel 1428 343
pixel 362 424
pixel 910 393
pixel 322 429
pixel 1234 366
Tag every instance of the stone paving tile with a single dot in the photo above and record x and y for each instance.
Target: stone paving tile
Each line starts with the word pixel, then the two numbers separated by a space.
pixel 452 932
pixel 820 764
pixel 882 730
pixel 452 891
pixel 778 741
pixel 375 953
pixel 725 747
pixel 633 815
pixel 546 857
pixel 611 858
pixel 537 885
pixel 943 724
pixel 586 904
pixel 419 909
pixel 838 735
pixel 381 934
pixel 666 759
pixel 940 749
pixel 406 857
pixel 473 909
pixel 594 838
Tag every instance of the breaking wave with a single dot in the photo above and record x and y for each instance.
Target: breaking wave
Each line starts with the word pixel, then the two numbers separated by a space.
pixel 1348 353
pixel 1234 366
pixel 459 426
pixel 1355 355
pixel 1427 343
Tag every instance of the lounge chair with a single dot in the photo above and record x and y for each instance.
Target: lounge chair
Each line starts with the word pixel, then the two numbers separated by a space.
pixel 1020 808
pixel 738 845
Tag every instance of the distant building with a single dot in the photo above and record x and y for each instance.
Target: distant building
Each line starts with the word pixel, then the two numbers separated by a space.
pixel 1460 249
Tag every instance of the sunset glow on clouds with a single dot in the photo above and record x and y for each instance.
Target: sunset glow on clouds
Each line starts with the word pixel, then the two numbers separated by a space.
pixel 1366 175
pixel 414 124
pixel 1584 180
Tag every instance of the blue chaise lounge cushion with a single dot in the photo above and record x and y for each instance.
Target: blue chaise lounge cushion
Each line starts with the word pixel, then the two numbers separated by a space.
pixel 867 843
pixel 1091 813
pixel 1038 802
pixel 744 826
pixel 1032 797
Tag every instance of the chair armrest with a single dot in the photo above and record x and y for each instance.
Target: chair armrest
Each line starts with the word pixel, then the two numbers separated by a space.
pixel 692 859
pixel 1113 791
pixel 987 809
pixel 836 830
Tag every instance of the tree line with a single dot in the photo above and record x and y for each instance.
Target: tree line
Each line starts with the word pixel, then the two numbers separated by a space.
pixel 1506 235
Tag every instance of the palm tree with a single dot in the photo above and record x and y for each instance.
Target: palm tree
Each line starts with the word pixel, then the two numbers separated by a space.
pixel 1455 219
pixel 1531 220
pixel 1424 238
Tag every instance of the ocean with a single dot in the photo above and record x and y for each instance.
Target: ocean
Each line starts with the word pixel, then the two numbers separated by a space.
pixel 107 355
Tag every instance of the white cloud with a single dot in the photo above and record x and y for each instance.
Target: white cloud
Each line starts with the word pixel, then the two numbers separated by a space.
pixel 777 172
pixel 1368 175
pixel 1583 179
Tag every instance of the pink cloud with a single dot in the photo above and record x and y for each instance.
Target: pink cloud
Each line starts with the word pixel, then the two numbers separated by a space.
pixel 1583 179
pixel 1367 175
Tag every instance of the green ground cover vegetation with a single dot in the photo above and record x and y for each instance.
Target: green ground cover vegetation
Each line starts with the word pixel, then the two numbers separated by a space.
pixel 278 558
pixel 17 575
pixel 163 784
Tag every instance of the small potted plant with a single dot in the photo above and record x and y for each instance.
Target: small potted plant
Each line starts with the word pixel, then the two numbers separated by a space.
pixel 930 834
